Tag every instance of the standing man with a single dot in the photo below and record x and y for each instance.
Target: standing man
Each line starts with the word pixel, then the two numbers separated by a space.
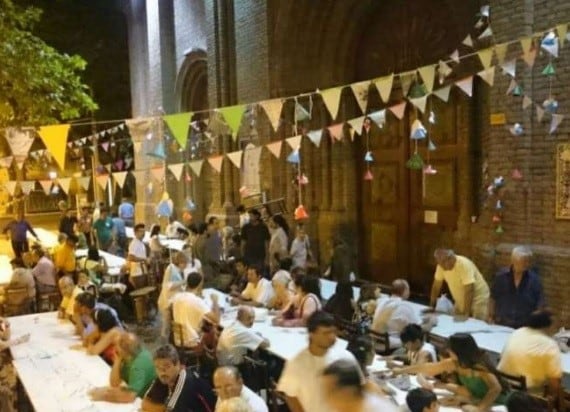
pixel 19 229
pixel 84 224
pixel 127 212
pixel 255 240
pixel 120 232
pixel 516 291
pixel 67 222
pixel 103 229
pixel 466 284
pixel 137 256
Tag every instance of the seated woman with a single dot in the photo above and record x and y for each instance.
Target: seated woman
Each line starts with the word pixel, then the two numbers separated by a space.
pixel 342 304
pixel 107 332
pixel 85 283
pixel 94 264
pixel 367 301
pixel 477 387
pixel 282 296
pixel 8 376
pixel 307 301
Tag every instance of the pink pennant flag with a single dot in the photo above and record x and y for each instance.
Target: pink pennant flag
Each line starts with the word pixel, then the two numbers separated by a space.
pixel 399 110
pixel 157 173
pixel 20 161
pixel 466 85
pixel 64 183
pixel 275 148
pixel 105 146
pixel 336 131
pixel 216 162
pixel 119 164
pixel 102 180
pixel 46 186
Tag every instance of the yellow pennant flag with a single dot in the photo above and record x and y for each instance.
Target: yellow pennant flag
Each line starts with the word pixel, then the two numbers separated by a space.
pixel 55 139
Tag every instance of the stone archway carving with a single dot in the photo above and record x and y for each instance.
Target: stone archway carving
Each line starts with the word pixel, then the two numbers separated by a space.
pixel 191 88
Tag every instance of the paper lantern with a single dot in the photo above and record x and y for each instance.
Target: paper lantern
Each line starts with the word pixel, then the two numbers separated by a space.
pixel 418 131
pixel 550 105
pixel 368 157
pixel 415 162
pixel 429 170
pixel 301 213
pixel 516 129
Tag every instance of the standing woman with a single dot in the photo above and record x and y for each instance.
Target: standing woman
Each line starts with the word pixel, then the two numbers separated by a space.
pixel 172 283
pixel 279 242
pixel 8 377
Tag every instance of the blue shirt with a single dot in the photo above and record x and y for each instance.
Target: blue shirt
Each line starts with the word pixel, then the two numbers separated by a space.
pixel 18 230
pixel 90 326
pixel 513 305
pixel 126 210
pixel 119 227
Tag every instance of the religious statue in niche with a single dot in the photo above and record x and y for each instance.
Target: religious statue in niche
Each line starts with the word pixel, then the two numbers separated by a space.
pixel 251 180
pixel 563 181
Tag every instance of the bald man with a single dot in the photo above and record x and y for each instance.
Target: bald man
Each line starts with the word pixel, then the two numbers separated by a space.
pixel 236 339
pixel 229 384
pixel 69 292
pixel 133 365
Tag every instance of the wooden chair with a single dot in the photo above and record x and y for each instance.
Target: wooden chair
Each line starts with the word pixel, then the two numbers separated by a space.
pixel 188 356
pixel 564 400
pixel 438 342
pixel 48 301
pixel 255 375
pixel 517 383
pixel 381 342
pixel 346 329
pixel 17 301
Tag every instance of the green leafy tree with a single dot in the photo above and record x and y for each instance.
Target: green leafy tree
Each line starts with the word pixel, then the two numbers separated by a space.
pixel 38 85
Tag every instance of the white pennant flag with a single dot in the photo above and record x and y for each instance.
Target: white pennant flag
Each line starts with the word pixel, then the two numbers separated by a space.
pixel 443 93
pixel 84 182
pixel 555 122
pixel 539 113
pixel 467 41
pixel 356 124
pixel 10 186
pixel 420 103
pixel 360 91
pixel 428 76
pixel 487 33
pixel 216 162
pixel 399 110
pixel 46 186
pixel 176 169
pixel 466 85
pixel 378 117
pixel 196 166
pixel 64 183
pixel 443 70
pixel 27 186
pixel 315 136
pixel 331 98
pixel 294 142
pixel 120 178
pixel 275 148
pixel 526 102
pixel 485 55
pixel 235 157
pixel 273 109
pixel 509 67
pixel 455 56
pixel 102 180
pixel 384 86
pixel 19 141
pixel 501 52
pixel 512 86
pixel 488 75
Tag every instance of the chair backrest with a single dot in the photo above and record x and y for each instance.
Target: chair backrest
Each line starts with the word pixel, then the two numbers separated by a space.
pixel 381 342
pixel 17 301
pixel 255 374
pixel 346 329
pixel 438 342
pixel 517 383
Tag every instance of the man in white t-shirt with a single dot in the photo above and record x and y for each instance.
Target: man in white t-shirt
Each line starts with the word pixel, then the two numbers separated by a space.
pixel 466 284
pixel 530 352
pixel 236 339
pixel 258 291
pixel 229 384
pixel 189 309
pixel 301 380
pixel 137 256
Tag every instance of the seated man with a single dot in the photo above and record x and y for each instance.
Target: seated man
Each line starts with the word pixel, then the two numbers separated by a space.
pixel 229 384
pixel 422 400
pixel 530 352
pixel 240 277
pixel 176 389
pixel 44 272
pixel 258 291
pixel 64 256
pixel 237 338
pixel 68 292
pixel 189 309
pixel 22 278
pixel 516 291
pixel 133 365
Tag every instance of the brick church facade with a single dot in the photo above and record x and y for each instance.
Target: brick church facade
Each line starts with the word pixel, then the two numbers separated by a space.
pixel 190 55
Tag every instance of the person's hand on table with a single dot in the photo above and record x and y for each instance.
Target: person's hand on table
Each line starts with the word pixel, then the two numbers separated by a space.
pixel 449 401
pixel 277 322
pixel 470 408
pixel 424 383
pixel 97 394
pixel 77 346
pixel 235 301
pixel 214 297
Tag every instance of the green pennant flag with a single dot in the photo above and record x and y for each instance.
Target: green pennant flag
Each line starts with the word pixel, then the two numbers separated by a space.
pixel 517 91
pixel 549 70
pixel 232 116
pixel 415 162
pixel 178 124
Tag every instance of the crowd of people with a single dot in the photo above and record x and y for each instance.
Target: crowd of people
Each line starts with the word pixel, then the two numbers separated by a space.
pixel 261 264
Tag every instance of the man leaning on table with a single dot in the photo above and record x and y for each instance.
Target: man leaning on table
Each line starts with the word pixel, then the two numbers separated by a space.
pixel 466 284
pixel 133 365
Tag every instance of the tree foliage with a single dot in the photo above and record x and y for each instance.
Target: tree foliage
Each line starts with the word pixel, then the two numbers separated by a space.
pixel 38 85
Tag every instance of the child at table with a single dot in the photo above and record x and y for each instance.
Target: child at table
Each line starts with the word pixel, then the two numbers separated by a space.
pixel 422 400
pixel 108 331
pixel 8 377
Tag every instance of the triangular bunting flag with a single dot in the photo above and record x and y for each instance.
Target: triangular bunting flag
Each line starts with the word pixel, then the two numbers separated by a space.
pixel 196 166
pixel 6 161
pixel 488 75
pixel 158 151
pixel 120 178
pixel 46 186
pixel 331 98
pixel 176 169
pixel 526 102
pixel 466 85
pixel 378 117
pixel 19 141
pixel 420 103
pixel 273 109
pixel 294 142
pixel 406 80
pixel 526 44
pixel 84 182
pixel 509 67
pixel 488 32
pixel 549 70
pixel 102 180
pixel 105 146
pixel 64 183
pixel 178 125
pixel 360 91
pixel 550 44
pixel 467 41
pixel 428 76
pixel 216 162
pixel 232 116
pixel 27 186
pixel 512 85
pixel 20 161
pixel 301 113
pixel 10 186
pixel 275 148
pixel 501 52
pixel 443 93
pixel 157 173
pixel 398 110
pixel 529 57
pixel 485 56
pixel 539 113
pixel 555 122
pixel 336 131
pixel 455 56
pixel 140 176
pixel 443 70
pixel 315 136
pixel 55 139
pixel 356 124
pixel 294 157
pixel 384 86
pixel 235 157
pixel 562 29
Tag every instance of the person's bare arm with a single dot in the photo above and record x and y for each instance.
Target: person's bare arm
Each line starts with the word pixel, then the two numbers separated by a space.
pixel 435 290
pixel 468 294
pixel 149 406
pixel 430 369
pixel 115 377
pixel 491 316
pixel 106 340
pixel 294 404
pixel 494 390
pixel 113 394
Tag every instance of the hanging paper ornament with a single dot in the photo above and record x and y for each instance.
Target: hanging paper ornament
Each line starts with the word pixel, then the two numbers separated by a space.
pixel 149 187
pixel 301 213
pixel 496 219
pixel 415 162
pixel 303 180
pixel 368 175
pixel 550 43
pixel 499 205
pixel 158 152
pixel 294 157
pixel 517 174
pixel 550 105
pixel 429 170
pixel 190 205
pixel 431 118
pixel 368 157
pixel 517 91
pixel 485 11
pixel 418 130
pixel 164 208
pixel 431 146
pixel 188 178
pixel 516 129
pixel 499 229
pixel 549 70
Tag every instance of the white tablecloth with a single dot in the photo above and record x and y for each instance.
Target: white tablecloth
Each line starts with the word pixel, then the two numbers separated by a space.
pixel 55 377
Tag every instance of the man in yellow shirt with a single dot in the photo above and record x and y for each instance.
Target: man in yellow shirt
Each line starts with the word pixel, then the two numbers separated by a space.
pixel 64 256
pixel 466 284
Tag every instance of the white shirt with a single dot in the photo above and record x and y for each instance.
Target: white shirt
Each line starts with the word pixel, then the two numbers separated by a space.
pixel 260 293
pixel 393 315
pixel 188 310
pixel 172 274
pixel 301 377
pixel 191 268
pixel 531 353
pixel 243 219
pixel 172 229
pixel 234 342
pixel 255 402
pixel 137 249
pixel 298 252
pixel 426 347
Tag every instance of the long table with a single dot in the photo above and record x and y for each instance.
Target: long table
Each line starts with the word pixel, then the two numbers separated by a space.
pixel 55 377
pixel 169 243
